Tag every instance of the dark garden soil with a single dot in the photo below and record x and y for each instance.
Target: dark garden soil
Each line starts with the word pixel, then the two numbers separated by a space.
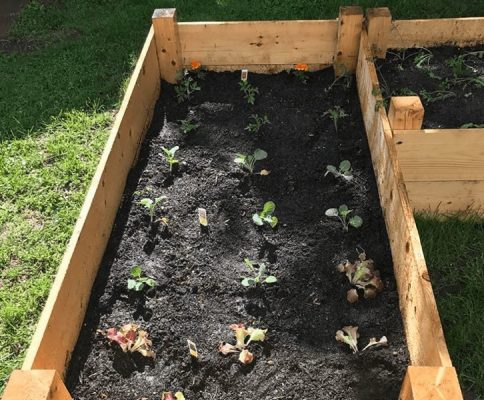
pixel 452 96
pixel 199 292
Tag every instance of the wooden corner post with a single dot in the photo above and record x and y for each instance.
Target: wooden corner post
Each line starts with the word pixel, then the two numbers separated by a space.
pixel 167 43
pixel 350 24
pixel 406 112
pixel 379 25
pixel 36 384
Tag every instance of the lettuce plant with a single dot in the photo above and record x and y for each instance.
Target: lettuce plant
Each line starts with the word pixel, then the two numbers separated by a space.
pixel 131 339
pixel 171 396
pixel 188 125
pixel 343 171
pixel 138 282
pixel 249 91
pixel 258 274
pixel 169 155
pixel 247 161
pixel 257 123
pixel 342 213
pixel 349 335
pixel 243 336
pixel 152 204
pixel 266 215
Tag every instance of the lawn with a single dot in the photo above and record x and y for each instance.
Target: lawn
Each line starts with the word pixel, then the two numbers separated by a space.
pixel 58 99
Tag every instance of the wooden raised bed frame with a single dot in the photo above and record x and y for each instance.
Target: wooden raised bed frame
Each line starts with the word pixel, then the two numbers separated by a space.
pixel 350 43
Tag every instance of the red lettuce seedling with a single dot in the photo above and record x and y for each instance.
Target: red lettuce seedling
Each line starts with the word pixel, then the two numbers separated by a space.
pixel 171 396
pixel 131 339
pixel 241 335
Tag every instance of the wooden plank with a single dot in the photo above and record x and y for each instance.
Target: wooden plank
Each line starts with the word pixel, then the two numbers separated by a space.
pixel 350 24
pixel 258 42
pixel 436 32
pixel 63 314
pixel 35 385
pixel 446 196
pixel 441 154
pixel 379 24
pixel 167 43
pixel 430 383
pixel 261 68
pixel 417 303
pixel 405 112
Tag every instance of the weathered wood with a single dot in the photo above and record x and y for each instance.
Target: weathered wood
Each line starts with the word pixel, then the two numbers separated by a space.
pixel 441 154
pixel 350 24
pixel 63 314
pixel 430 383
pixel 405 112
pixel 167 43
pixel 417 303
pixel 436 32
pixel 378 24
pixel 35 385
pixel 258 42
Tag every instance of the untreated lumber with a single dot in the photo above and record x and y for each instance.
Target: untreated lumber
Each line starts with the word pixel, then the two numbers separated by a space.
pixel 405 112
pixel 378 25
pixel 350 25
pixel 35 385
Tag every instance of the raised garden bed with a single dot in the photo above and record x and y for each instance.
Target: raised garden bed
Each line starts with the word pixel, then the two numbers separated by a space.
pixel 268 47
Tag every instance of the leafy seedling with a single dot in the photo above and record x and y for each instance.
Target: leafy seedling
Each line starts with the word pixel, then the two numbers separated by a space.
pixel 362 274
pixel 436 95
pixel 265 216
pixel 247 161
pixel 256 123
pixel 131 339
pixel 185 88
pixel 243 336
pixel 335 114
pixel 188 125
pixel 471 125
pixel 249 91
pixel 138 282
pixel 171 396
pixel 151 205
pixel 343 171
pixel 259 274
pixel 349 335
pixel 342 213
pixel 169 155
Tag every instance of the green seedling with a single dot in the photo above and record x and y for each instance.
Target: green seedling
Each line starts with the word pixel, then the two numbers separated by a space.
pixel 349 335
pixel 343 171
pixel 342 213
pixel 249 91
pixel 257 123
pixel 436 95
pixel 422 59
pixel 405 92
pixel 185 88
pixel 471 125
pixel 243 336
pixel 335 114
pixel 247 161
pixel 138 282
pixel 346 79
pixel 259 275
pixel 151 205
pixel 265 216
pixel 169 155
pixel 188 125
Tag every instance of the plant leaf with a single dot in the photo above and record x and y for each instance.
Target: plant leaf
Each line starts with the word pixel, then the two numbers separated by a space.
pixel 136 271
pixel 247 282
pixel 343 208
pixel 331 168
pixel 344 166
pixel 150 282
pixel 240 159
pixel 246 357
pixel 270 279
pixel 227 348
pixel 273 222
pixel 259 154
pixel 373 342
pixel 257 335
pixel 331 212
pixel 179 396
pixel 148 203
pixel 269 208
pixel 131 284
pixel 257 219
pixel 356 221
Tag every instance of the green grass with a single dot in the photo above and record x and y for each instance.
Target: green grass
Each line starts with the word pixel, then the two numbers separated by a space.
pixel 56 105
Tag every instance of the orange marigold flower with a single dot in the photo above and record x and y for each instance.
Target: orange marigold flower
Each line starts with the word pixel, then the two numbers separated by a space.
pixel 301 67
pixel 196 65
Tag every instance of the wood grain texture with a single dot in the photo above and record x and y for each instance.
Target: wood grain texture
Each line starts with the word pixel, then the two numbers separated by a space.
pixel 378 25
pixel 405 112
pixel 417 303
pixel 258 42
pixel 35 385
pixel 350 24
pixel 63 314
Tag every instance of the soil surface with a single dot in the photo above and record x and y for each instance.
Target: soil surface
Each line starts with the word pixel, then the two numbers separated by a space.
pixel 452 95
pixel 198 272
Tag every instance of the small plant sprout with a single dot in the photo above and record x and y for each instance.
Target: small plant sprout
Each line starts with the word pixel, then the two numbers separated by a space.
pixel 131 339
pixel 349 335
pixel 343 171
pixel 299 72
pixel 342 213
pixel 363 275
pixel 152 204
pixel 138 282
pixel 256 123
pixel 335 114
pixel 247 161
pixel 243 336
pixel 265 216
pixel 259 274
pixel 186 87
pixel 188 125
pixel 249 91
pixel 169 155
pixel 171 396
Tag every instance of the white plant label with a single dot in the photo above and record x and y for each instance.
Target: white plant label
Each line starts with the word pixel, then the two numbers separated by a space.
pixel 192 347
pixel 202 216
pixel 244 74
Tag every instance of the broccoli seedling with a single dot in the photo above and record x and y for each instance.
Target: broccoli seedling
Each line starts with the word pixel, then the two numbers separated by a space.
pixel 137 282
pixel 241 334
pixel 187 125
pixel 265 216
pixel 349 335
pixel 258 274
pixel 257 122
pixel 249 91
pixel 343 171
pixel 363 275
pixel 169 155
pixel 131 339
pixel 335 114
pixel 152 205
pixel 436 95
pixel 248 161
pixel 185 88
pixel 171 396
pixel 342 213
